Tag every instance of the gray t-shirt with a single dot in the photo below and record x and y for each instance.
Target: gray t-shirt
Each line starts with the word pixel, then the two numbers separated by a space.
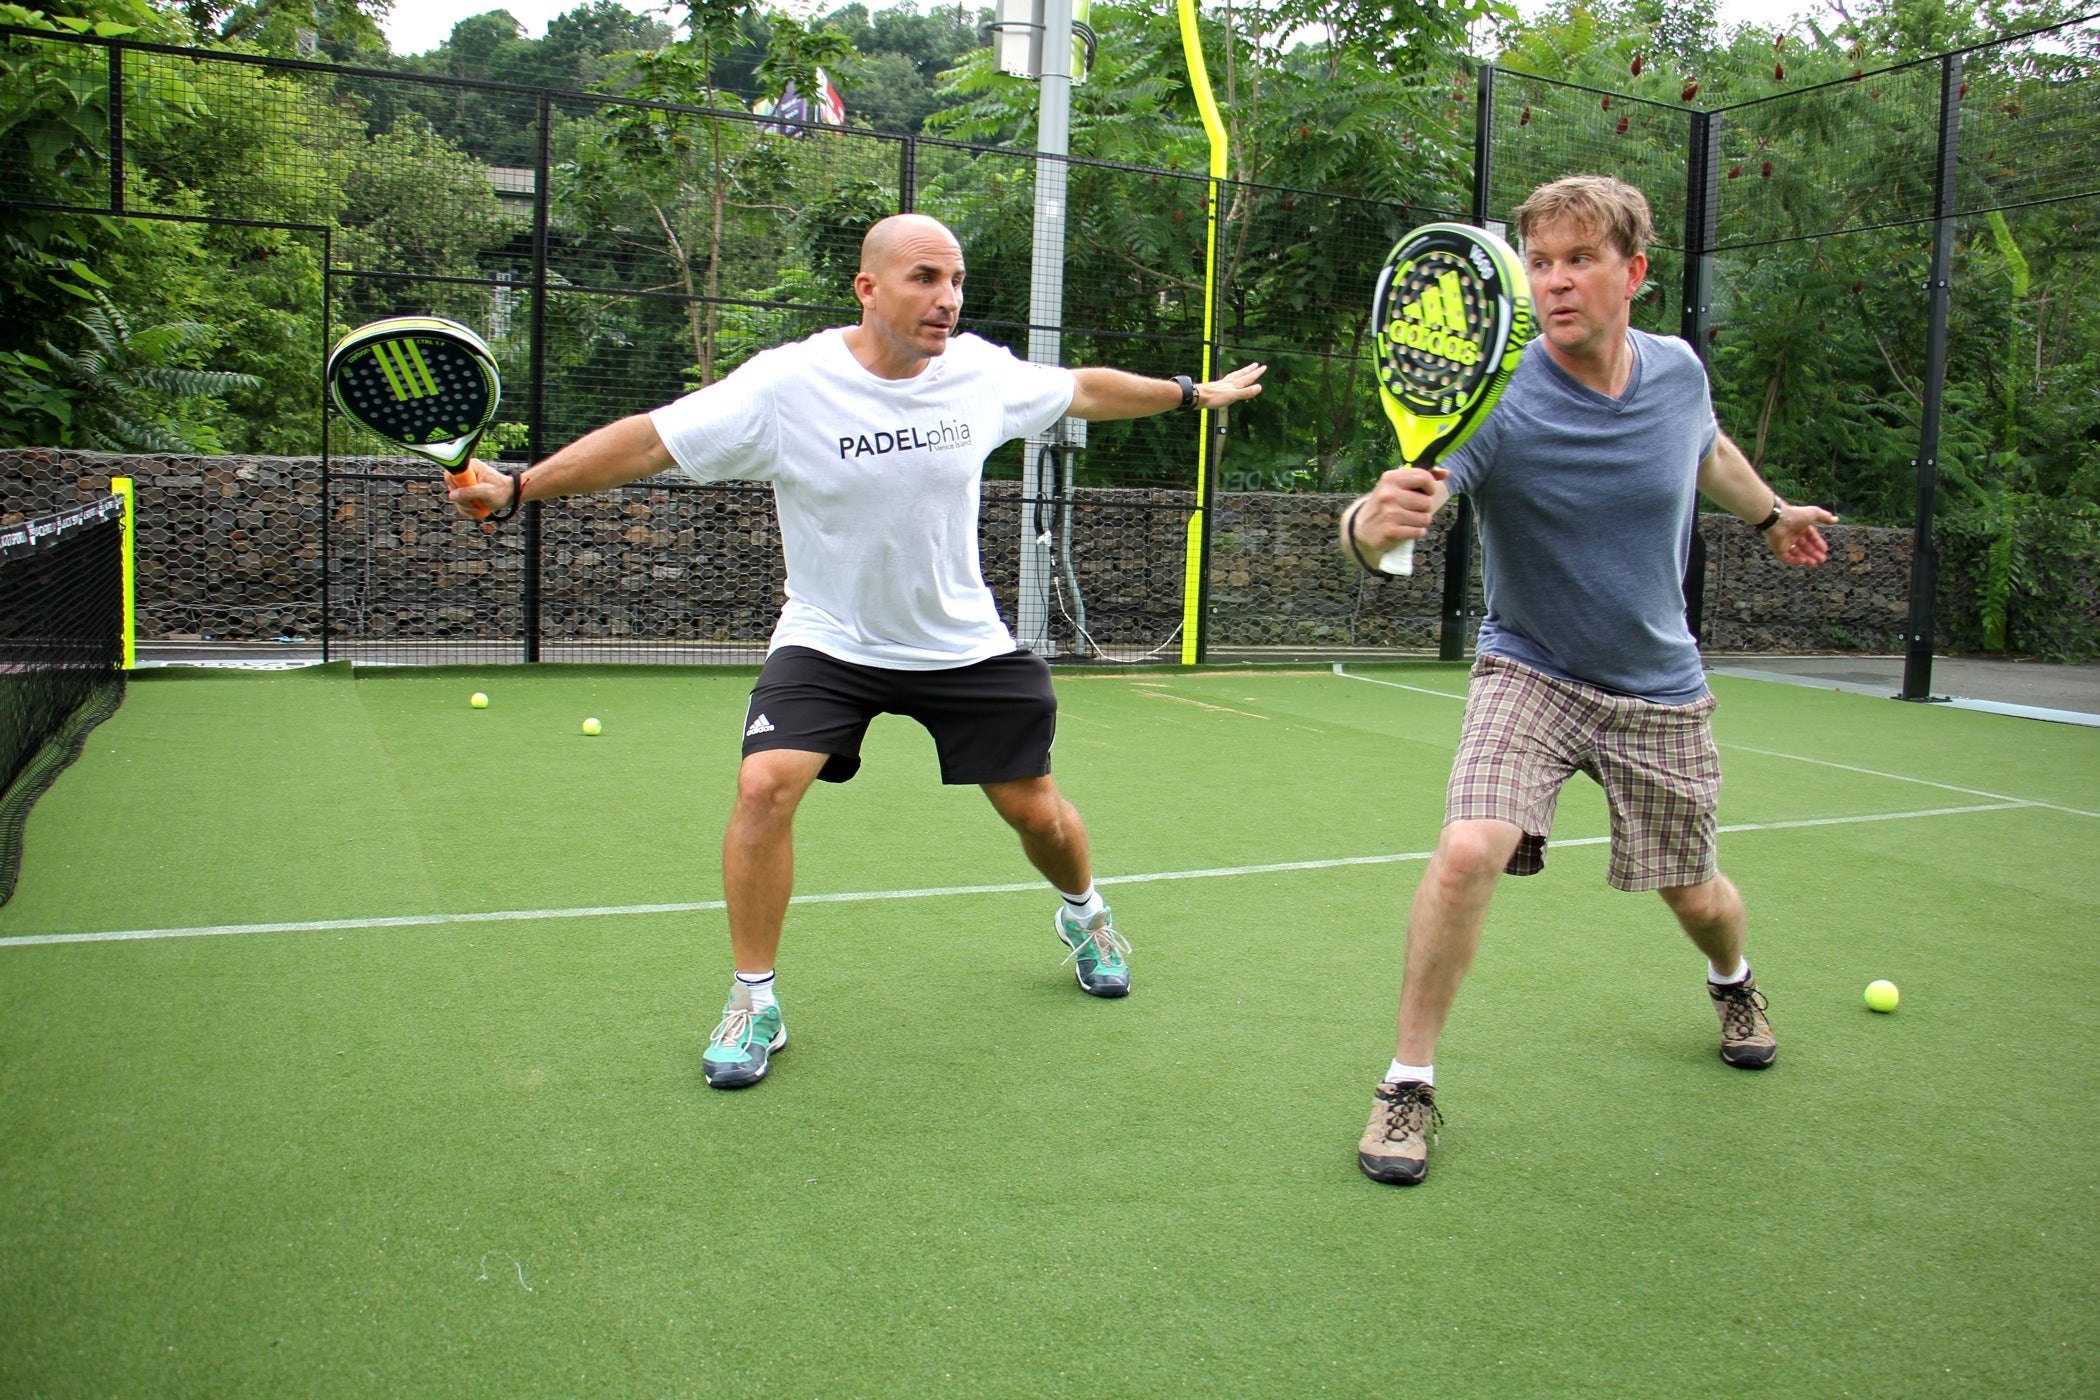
pixel 1586 506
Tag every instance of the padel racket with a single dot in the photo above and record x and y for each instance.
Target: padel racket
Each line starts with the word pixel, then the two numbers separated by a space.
pixel 1449 320
pixel 423 383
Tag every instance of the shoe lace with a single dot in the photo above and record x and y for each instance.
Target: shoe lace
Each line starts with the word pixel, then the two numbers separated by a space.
pixel 1410 1111
pixel 1741 1005
pixel 1108 945
pixel 735 1027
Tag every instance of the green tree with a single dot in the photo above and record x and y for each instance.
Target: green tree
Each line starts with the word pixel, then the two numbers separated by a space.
pixel 133 393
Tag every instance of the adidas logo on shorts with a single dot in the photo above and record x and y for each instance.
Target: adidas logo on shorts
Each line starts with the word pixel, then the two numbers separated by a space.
pixel 761 725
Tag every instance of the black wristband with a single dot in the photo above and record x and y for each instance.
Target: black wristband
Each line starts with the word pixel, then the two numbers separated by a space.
pixel 517 496
pixel 1778 506
pixel 1188 390
pixel 1349 535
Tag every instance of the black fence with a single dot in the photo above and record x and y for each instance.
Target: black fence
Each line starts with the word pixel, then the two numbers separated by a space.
pixel 617 253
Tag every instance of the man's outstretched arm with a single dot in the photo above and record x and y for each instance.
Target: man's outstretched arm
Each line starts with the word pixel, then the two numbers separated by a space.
pixel 1099 395
pixel 619 452
pixel 1728 480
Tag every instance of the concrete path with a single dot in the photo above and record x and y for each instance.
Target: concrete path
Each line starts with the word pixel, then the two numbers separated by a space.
pixel 2031 689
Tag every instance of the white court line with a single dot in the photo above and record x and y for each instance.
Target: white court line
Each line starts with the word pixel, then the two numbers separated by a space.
pixel 1417 689
pixel 1922 782
pixel 1798 758
pixel 865 896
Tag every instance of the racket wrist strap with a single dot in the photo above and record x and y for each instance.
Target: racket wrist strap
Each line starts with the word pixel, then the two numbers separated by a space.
pixel 517 496
pixel 1349 534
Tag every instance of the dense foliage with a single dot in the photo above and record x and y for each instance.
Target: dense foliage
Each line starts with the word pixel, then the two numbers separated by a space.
pixel 722 235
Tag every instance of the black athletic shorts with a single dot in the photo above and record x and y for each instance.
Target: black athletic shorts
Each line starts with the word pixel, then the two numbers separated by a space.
pixel 992 721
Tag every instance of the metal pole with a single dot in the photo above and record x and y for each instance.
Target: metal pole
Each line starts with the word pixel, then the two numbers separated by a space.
pixel 327 488
pixel 537 445
pixel 1925 562
pixel 116 129
pixel 1458 543
pixel 1702 227
pixel 1046 308
pixel 907 174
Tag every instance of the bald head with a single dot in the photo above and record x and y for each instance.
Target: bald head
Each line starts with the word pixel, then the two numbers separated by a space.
pixel 906 235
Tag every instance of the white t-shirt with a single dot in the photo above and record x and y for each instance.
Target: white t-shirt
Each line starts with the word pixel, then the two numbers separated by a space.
pixel 876 483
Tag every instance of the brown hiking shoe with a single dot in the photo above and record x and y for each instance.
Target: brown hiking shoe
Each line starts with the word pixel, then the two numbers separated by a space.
pixel 1746 1036
pixel 1395 1147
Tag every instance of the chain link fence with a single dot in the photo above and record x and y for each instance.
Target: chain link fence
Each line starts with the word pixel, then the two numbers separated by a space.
pixel 616 254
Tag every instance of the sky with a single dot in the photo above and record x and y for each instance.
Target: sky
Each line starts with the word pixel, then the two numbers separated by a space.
pixel 418 26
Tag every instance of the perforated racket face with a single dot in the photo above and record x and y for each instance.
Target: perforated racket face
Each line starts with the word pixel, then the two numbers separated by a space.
pixel 423 382
pixel 1449 318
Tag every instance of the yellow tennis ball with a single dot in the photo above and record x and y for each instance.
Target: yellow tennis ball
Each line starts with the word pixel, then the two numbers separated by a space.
pixel 478 700
pixel 1882 996
pixel 591 726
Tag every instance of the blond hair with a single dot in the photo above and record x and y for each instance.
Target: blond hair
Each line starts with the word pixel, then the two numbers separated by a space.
pixel 1605 206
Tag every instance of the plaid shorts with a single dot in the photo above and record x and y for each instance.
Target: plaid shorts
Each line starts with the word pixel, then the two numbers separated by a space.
pixel 1526 733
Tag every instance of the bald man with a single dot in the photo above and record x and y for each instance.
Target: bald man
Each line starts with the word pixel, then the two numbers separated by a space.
pixel 875 438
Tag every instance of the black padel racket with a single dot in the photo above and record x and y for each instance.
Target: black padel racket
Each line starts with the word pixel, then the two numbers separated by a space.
pixel 1449 320
pixel 421 382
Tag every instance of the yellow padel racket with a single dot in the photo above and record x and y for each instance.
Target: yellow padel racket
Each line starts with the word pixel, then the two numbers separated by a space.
pixel 421 382
pixel 1449 320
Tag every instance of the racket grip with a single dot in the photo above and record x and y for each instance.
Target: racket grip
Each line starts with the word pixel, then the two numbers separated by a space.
pixel 1400 559
pixel 456 480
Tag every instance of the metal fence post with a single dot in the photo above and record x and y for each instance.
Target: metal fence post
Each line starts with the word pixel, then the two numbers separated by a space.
pixel 327 487
pixel 116 128
pixel 907 174
pixel 1925 562
pixel 1702 230
pixel 537 446
pixel 1458 544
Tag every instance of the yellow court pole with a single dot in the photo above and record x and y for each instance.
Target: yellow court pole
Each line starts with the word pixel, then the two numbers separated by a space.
pixel 1192 591
pixel 128 531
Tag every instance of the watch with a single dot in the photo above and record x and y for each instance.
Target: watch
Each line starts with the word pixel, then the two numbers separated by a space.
pixel 1769 521
pixel 1188 390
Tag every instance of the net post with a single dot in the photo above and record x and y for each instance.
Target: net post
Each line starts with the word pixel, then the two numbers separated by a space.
pixel 1195 574
pixel 127 533
pixel 1458 542
pixel 1924 561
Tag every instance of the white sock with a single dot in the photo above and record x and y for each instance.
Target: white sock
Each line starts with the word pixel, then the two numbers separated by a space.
pixel 758 986
pixel 1719 981
pixel 1400 1073
pixel 1084 906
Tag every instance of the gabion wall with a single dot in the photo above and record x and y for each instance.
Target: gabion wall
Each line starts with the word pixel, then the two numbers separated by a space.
pixel 230 548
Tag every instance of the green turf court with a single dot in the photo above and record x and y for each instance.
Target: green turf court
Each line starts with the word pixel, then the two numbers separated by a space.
pixel 417 1107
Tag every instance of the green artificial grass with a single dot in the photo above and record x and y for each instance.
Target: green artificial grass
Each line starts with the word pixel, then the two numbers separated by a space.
pixel 478 1158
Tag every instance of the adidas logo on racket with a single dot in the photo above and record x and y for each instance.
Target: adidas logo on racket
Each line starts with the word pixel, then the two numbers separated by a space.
pixel 1449 321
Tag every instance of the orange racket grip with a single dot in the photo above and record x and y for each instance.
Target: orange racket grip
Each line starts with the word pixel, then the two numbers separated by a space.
pixel 457 480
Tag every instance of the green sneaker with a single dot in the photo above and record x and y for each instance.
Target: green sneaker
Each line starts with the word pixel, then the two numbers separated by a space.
pixel 1098 953
pixel 742 1046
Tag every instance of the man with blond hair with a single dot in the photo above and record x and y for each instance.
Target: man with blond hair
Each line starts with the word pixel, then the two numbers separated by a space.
pixel 1586 480
pixel 874 438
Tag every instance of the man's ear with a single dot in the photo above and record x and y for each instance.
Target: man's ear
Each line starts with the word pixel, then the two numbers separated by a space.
pixel 1637 274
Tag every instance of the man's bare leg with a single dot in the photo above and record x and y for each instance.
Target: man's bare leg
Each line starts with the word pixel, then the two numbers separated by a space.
pixel 1711 915
pixel 1053 836
pixel 1443 933
pixel 1054 839
pixel 1443 928
pixel 758 851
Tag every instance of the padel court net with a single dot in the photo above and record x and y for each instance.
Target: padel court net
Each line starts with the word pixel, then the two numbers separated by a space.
pixel 61 652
